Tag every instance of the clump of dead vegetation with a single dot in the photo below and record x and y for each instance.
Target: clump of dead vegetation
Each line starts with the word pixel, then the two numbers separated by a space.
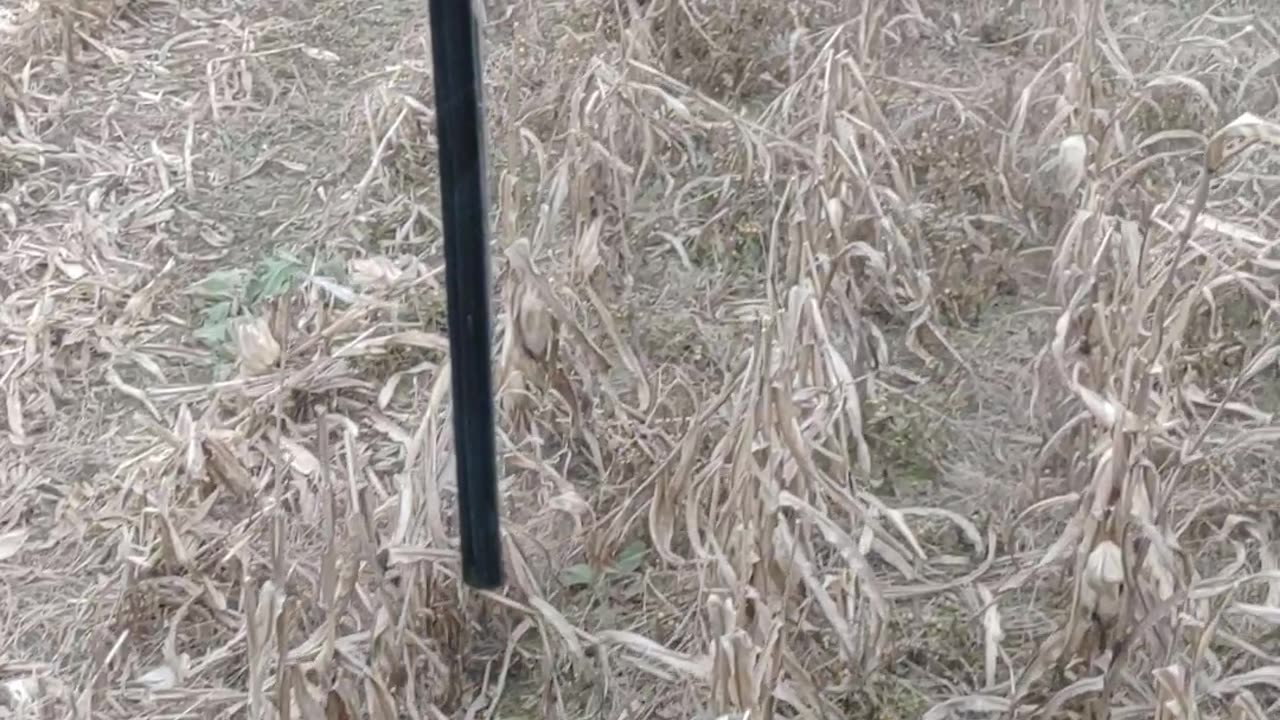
pixel 738 253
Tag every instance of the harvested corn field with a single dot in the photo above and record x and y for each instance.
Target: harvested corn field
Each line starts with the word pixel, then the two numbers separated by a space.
pixel 885 359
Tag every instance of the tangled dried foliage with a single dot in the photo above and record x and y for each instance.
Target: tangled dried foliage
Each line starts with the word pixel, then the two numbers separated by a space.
pixel 766 272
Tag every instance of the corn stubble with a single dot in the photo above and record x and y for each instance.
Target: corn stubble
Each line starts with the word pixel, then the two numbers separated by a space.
pixel 715 259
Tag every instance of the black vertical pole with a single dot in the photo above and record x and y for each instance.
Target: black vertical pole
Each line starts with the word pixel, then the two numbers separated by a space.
pixel 459 130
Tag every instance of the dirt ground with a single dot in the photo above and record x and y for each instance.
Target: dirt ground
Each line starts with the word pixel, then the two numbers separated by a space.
pixel 894 359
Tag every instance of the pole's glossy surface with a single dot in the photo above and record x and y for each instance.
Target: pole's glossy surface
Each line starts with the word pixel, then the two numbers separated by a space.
pixel 464 212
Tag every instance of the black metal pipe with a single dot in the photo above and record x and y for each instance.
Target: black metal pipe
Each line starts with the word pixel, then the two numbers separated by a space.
pixel 464 212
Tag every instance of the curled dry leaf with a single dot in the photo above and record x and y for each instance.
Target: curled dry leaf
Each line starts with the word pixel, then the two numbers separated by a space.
pixel 300 458
pixel 159 678
pixel 1196 87
pixel 1248 128
pixel 1140 505
pixel 513 397
pixel 11 542
pixel 993 633
pixel 1106 410
pixel 1172 690
pixel 534 325
pixel 165 677
pixel 335 707
pixel 321 54
pixel 1103 576
pixel 378 272
pixel 1262 361
pixel 224 464
pixel 21 693
pixel 14 414
pixel 173 544
pixel 1105 567
pixel 1159 576
pixel 586 254
pixel 256 347
pixel 572 504
pixel 1072 162
pixel 1246 707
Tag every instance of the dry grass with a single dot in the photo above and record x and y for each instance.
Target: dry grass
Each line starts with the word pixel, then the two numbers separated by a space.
pixel 873 360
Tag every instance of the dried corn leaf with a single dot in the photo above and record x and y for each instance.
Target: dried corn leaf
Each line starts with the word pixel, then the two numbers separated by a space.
pixel 1249 129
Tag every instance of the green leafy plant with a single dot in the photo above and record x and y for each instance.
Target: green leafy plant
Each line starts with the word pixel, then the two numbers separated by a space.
pixel 227 294
pixel 274 277
pixel 629 561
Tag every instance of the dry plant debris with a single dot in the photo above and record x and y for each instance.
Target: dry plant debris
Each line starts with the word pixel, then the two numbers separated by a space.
pixel 881 359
